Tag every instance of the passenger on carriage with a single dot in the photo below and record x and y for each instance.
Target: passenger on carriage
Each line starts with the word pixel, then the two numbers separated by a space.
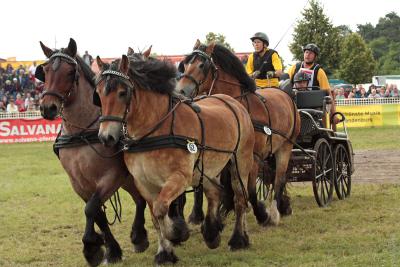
pixel 317 76
pixel 264 65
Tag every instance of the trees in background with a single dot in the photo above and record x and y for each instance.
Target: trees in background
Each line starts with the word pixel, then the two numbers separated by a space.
pixel 315 27
pixel 373 50
pixel 384 40
pixel 357 63
pixel 218 38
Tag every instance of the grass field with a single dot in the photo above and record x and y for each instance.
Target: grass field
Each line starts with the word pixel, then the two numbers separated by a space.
pixel 42 221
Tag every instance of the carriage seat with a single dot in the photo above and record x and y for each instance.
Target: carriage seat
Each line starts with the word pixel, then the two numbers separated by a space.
pixel 310 99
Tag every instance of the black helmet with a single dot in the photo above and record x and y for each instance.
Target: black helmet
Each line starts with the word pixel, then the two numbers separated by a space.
pixel 262 36
pixel 312 47
pixel 301 76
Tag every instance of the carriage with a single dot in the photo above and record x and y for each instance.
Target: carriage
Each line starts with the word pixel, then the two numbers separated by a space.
pixel 321 155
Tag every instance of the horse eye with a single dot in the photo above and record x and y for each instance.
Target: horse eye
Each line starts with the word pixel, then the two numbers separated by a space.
pixel 201 65
pixel 122 94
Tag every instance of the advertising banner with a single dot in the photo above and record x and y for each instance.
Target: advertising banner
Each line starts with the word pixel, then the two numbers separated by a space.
pixel 371 115
pixel 28 130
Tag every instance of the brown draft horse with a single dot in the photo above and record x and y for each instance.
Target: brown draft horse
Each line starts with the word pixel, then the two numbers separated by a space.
pixel 213 69
pixel 69 88
pixel 172 145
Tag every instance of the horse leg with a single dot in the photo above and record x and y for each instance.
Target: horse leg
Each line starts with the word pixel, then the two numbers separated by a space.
pixel 212 225
pixel 139 237
pixel 174 229
pixel 92 241
pixel 93 210
pixel 239 238
pixel 259 209
pixel 197 214
pixel 165 253
pixel 282 157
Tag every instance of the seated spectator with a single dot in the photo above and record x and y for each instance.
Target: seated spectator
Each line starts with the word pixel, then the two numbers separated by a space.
pixel 373 94
pixel 363 93
pixel 351 94
pixel 358 91
pixel 340 93
pixel 20 103
pixel 11 107
pixel 28 99
pixel 9 69
pixel 395 92
pixel 3 107
pixel 382 91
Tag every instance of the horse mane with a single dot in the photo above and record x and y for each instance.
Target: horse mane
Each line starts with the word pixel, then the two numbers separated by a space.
pixel 151 74
pixel 230 64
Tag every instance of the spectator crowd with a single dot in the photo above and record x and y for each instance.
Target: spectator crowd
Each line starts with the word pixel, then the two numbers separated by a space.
pixel 389 90
pixel 19 90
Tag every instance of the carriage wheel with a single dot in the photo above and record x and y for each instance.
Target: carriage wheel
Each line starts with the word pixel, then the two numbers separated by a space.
pixel 343 172
pixel 263 189
pixel 324 173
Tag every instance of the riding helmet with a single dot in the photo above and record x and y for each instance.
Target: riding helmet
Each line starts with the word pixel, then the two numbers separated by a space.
pixel 312 47
pixel 262 36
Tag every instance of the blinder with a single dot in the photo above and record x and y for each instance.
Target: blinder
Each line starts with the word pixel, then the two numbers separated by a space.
pixel 96 99
pixel 39 73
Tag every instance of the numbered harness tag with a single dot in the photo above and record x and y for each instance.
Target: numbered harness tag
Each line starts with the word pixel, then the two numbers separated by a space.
pixel 191 147
pixel 267 130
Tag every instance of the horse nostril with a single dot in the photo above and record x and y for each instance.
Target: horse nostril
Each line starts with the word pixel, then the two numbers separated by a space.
pixel 53 109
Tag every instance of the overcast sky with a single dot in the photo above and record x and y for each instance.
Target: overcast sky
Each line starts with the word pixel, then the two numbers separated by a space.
pixel 107 28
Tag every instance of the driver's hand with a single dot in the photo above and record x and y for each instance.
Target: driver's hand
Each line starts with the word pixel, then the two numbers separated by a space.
pixel 255 74
pixel 335 120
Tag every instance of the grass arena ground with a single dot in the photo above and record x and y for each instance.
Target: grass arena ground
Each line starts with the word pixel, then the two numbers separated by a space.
pixel 42 220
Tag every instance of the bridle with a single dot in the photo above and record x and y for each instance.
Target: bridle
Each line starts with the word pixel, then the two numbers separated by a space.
pixel 130 87
pixel 63 98
pixel 209 65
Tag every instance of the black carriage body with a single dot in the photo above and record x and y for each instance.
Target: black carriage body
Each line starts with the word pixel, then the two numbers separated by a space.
pixel 313 141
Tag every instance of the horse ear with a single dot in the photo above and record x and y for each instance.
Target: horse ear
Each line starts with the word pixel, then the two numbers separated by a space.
pixel 146 53
pixel 100 63
pixel 130 51
pixel 47 51
pixel 124 64
pixel 72 48
pixel 197 44
pixel 210 48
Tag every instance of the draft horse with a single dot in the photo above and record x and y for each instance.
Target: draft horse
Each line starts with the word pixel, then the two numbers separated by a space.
pixel 213 69
pixel 171 145
pixel 69 88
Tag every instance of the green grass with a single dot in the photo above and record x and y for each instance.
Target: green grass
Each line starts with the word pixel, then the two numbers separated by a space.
pixel 375 138
pixel 42 222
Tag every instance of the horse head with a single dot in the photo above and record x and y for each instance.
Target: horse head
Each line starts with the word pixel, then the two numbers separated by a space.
pixel 114 89
pixel 60 75
pixel 198 71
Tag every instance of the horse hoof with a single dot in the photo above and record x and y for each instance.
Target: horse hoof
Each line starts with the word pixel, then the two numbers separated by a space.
pixel 285 208
pixel 274 214
pixel 139 240
pixel 214 243
pixel 180 231
pixel 95 256
pixel 196 219
pixel 113 254
pixel 238 241
pixel 139 248
pixel 165 257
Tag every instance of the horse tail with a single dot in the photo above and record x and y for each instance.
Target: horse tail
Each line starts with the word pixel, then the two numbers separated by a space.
pixel 227 201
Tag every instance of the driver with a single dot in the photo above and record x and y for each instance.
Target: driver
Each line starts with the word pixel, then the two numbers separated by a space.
pixel 264 65
pixel 317 76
